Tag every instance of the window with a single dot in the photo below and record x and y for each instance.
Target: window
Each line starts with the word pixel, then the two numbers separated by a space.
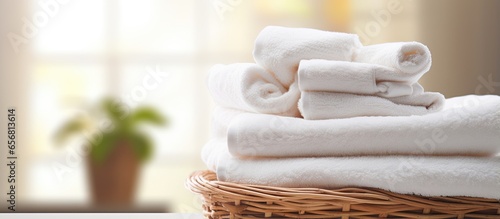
pixel 93 48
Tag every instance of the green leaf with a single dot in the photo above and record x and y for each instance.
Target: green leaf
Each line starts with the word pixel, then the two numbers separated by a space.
pixel 146 115
pixel 101 149
pixel 116 111
pixel 70 128
pixel 124 123
pixel 142 146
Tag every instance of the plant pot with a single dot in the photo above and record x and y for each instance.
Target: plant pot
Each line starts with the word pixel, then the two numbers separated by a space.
pixel 113 182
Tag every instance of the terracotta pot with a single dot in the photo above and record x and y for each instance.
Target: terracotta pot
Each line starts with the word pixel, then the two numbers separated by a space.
pixel 113 182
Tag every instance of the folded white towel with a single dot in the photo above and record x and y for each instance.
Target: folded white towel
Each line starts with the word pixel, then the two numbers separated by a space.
pixel 410 57
pixel 468 125
pixel 328 105
pixel 280 49
pixel 249 87
pixel 428 176
pixel 353 77
pixel 221 119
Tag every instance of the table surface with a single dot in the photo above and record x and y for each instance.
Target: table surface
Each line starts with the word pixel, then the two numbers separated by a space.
pixel 99 216
pixel 79 208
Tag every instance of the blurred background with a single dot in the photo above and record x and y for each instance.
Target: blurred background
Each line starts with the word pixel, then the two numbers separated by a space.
pixel 57 56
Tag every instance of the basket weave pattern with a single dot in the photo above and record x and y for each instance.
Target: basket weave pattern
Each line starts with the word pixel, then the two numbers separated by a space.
pixel 230 200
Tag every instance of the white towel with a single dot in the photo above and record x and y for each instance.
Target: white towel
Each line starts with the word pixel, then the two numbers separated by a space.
pixel 410 57
pixel 280 49
pixel 249 87
pixel 353 77
pixel 468 125
pixel 428 176
pixel 331 105
pixel 221 119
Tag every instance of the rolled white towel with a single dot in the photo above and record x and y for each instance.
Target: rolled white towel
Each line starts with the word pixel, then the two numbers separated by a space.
pixel 249 87
pixel 329 105
pixel 413 58
pixel 353 77
pixel 280 49
pixel 468 125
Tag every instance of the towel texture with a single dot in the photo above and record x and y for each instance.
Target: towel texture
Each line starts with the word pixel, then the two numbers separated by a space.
pixel 249 87
pixel 367 122
pixel 467 125
pixel 280 49
pixel 428 176
pixel 353 77
pixel 221 118
pixel 412 58
pixel 381 82
pixel 329 105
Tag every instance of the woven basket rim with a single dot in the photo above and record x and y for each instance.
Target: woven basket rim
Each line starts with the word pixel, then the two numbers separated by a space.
pixel 232 200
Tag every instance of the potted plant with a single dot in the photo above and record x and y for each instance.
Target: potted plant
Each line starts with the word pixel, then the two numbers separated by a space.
pixel 114 159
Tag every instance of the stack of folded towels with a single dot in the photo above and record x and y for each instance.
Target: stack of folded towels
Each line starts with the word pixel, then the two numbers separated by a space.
pixel 319 109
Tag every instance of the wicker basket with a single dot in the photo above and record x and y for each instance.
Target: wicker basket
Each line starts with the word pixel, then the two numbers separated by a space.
pixel 230 200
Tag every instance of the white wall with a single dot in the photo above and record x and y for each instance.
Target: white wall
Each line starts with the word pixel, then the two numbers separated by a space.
pixel 464 37
pixel 13 89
